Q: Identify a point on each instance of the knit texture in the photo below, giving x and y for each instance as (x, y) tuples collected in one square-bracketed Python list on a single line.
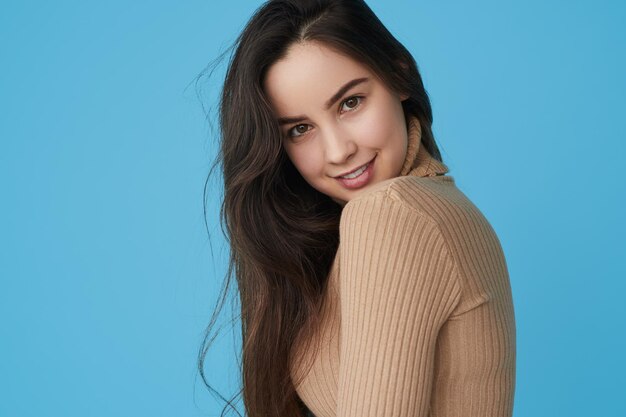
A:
[(418, 316)]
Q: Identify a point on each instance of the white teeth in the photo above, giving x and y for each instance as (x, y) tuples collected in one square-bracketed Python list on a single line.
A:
[(357, 172)]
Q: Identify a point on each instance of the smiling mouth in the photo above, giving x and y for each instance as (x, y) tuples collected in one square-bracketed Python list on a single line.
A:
[(360, 168)]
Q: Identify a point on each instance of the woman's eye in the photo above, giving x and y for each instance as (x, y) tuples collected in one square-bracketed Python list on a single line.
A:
[(352, 102), (295, 128)]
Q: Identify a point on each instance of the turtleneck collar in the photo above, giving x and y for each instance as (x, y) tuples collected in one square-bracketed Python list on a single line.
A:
[(418, 161)]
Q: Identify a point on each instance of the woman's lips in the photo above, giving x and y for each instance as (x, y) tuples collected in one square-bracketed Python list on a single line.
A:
[(361, 180)]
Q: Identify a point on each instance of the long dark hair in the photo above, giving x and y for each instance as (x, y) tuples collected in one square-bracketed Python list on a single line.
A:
[(283, 234)]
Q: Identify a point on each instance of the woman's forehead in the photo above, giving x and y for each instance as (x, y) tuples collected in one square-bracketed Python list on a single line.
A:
[(310, 74)]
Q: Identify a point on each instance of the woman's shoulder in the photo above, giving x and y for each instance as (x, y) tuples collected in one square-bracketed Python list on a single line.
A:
[(433, 214), (426, 195), (436, 199)]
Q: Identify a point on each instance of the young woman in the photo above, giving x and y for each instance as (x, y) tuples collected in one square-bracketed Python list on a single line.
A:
[(369, 284)]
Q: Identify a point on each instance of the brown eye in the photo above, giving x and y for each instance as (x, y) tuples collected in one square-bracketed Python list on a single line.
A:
[(353, 102), (297, 129)]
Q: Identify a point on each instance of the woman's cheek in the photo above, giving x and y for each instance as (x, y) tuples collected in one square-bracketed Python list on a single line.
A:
[(300, 161), (371, 131)]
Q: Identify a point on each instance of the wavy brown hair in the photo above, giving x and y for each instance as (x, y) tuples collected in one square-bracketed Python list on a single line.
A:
[(283, 234)]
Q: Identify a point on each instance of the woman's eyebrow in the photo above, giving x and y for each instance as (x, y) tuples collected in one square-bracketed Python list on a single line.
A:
[(344, 88)]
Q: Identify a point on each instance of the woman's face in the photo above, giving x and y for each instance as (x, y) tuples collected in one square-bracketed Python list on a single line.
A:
[(336, 117)]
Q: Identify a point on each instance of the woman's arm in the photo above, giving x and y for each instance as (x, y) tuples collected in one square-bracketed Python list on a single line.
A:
[(398, 285)]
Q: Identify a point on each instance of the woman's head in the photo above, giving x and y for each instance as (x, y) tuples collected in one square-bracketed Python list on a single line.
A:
[(282, 51), (280, 204), (337, 117)]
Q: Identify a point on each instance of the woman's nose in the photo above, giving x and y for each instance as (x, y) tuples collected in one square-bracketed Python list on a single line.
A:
[(338, 147)]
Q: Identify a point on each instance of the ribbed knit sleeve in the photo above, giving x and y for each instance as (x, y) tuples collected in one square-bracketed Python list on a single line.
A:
[(398, 285)]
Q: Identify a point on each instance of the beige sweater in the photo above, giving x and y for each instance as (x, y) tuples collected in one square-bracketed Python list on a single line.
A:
[(418, 316)]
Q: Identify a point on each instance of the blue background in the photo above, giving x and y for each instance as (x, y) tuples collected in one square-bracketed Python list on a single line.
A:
[(108, 276)]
